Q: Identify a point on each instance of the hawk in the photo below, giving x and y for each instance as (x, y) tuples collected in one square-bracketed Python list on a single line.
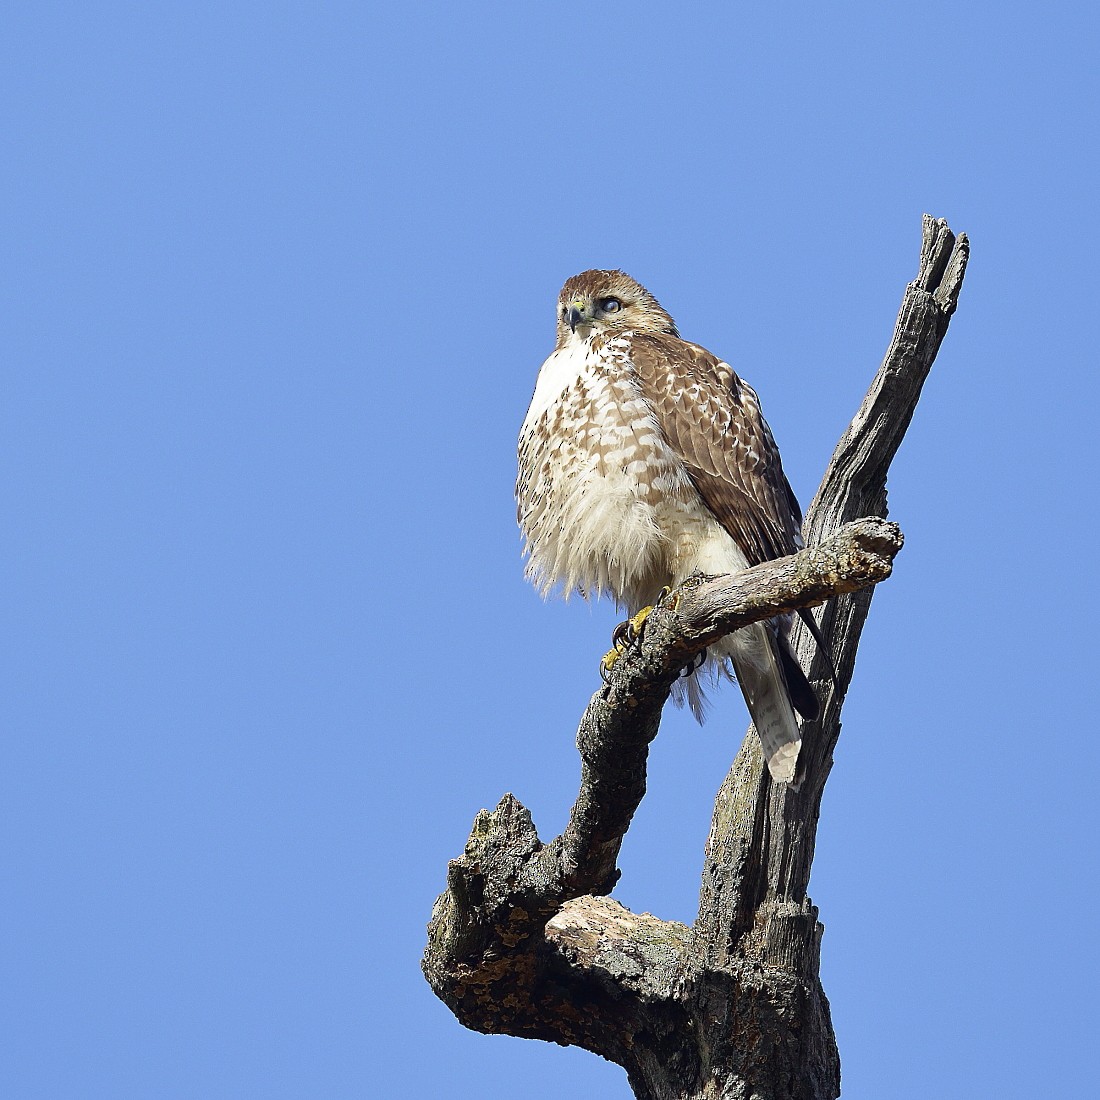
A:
[(644, 459)]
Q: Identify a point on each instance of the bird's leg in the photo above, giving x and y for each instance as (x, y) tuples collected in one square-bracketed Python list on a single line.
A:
[(626, 634)]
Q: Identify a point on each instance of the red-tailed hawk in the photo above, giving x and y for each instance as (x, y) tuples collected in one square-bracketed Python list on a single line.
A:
[(644, 459)]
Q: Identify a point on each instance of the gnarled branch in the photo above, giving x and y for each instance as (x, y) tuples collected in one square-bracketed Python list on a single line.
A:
[(524, 942)]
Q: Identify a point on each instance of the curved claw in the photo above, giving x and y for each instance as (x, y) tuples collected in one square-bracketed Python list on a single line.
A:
[(627, 633), (607, 663), (622, 637), (697, 663)]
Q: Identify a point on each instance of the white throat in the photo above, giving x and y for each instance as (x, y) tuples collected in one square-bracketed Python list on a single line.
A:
[(560, 371)]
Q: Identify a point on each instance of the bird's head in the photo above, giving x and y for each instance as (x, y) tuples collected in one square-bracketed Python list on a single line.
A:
[(604, 302)]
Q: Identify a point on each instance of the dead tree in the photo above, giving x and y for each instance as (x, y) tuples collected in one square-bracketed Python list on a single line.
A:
[(525, 940)]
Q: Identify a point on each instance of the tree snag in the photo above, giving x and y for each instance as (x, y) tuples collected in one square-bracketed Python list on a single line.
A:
[(524, 940)]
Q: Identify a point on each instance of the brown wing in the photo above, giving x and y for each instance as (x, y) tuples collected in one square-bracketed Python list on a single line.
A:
[(712, 420)]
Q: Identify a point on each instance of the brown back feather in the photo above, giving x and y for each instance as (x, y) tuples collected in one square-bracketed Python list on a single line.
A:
[(712, 420)]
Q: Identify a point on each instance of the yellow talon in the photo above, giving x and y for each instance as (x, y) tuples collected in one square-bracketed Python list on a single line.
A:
[(607, 661), (622, 636), (625, 634), (667, 598)]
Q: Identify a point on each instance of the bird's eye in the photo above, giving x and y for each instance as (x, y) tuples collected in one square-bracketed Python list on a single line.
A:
[(610, 305)]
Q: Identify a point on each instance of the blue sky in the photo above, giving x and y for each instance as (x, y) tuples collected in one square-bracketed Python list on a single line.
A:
[(277, 283)]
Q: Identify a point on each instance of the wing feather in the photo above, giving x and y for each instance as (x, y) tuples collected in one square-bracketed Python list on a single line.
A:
[(712, 420)]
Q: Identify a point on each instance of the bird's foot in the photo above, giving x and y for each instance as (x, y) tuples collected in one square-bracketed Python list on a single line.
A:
[(622, 638), (626, 634)]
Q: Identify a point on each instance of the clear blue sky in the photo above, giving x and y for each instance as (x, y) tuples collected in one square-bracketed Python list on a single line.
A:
[(277, 282)]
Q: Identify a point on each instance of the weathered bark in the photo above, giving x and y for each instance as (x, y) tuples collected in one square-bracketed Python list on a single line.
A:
[(523, 941)]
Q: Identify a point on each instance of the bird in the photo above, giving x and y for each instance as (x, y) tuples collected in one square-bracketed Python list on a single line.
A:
[(644, 459)]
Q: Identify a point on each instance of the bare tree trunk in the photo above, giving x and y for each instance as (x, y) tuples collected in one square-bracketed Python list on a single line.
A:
[(524, 941)]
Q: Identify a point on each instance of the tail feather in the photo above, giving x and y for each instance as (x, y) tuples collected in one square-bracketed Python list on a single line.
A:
[(774, 687), (760, 672), (801, 691), (807, 616)]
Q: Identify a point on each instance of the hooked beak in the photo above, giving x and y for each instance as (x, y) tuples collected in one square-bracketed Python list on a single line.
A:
[(576, 314)]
